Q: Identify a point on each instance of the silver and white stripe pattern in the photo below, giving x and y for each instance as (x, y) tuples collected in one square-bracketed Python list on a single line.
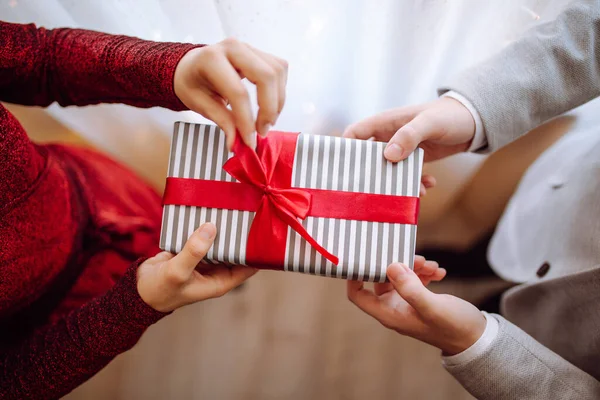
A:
[(364, 248), (199, 151), (321, 162)]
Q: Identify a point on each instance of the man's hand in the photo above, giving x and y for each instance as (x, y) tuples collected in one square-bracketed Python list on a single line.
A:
[(409, 308), (441, 128), (428, 271)]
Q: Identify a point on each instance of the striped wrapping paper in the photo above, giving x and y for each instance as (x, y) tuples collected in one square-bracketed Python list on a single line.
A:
[(321, 162)]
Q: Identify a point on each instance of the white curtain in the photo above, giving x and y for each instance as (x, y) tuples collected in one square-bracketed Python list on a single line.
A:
[(348, 58)]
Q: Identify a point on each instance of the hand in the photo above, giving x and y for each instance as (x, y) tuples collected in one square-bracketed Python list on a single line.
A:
[(427, 271), (166, 282), (442, 128), (406, 306), (209, 78)]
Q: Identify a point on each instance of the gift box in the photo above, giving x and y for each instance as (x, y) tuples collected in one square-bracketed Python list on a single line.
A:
[(305, 203)]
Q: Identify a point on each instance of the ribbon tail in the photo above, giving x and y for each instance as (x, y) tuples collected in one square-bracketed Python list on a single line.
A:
[(297, 226), (322, 250)]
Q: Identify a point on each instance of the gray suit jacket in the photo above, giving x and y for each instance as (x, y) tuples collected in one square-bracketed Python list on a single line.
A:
[(548, 347)]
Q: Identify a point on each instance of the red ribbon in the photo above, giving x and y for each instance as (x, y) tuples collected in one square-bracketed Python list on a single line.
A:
[(265, 187)]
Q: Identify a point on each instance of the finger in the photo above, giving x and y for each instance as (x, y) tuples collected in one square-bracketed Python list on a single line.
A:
[(418, 263), (430, 267), (213, 107), (183, 264), (410, 288), (281, 66), (162, 256), (438, 275), (366, 300), (226, 81), (381, 288), (409, 136), (219, 281), (425, 280), (424, 267), (382, 126), (428, 180), (264, 76)]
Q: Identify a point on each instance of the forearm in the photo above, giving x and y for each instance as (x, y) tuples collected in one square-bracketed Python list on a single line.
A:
[(81, 67), (56, 359), (514, 365), (555, 67)]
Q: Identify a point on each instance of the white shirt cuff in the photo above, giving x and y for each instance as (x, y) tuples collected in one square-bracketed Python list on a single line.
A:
[(479, 139), (479, 347)]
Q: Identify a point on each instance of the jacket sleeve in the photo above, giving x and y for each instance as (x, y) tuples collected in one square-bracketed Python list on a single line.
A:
[(552, 69), (57, 358), (516, 366), (80, 67)]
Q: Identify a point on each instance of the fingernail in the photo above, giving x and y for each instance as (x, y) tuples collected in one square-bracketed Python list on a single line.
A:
[(252, 141), (207, 231), (393, 152), (266, 129), (395, 271)]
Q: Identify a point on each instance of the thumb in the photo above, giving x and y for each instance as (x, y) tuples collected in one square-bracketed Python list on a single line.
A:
[(184, 263), (410, 288), (407, 138)]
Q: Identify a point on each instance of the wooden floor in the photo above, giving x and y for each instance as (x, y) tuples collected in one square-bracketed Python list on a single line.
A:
[(282, 336)]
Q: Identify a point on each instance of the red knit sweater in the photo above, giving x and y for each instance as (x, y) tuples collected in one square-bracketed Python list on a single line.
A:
[(72, 222)]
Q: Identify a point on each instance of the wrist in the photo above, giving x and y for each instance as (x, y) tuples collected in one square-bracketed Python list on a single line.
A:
[(467, 337), (462, 118), (155, 293), (478, 140), (181, 73), (139, 312)]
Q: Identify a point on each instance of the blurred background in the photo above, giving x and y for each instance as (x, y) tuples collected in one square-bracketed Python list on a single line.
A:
[(288, 335)]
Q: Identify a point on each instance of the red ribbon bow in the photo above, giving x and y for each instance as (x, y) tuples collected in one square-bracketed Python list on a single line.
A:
[(285, 203)]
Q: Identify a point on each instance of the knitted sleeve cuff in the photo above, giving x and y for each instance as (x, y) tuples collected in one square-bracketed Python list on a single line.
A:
[(127, 303)]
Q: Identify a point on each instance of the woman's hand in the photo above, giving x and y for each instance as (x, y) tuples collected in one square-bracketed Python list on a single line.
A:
[(408, 307), (209, 78), (167, 282), (442, 128)]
